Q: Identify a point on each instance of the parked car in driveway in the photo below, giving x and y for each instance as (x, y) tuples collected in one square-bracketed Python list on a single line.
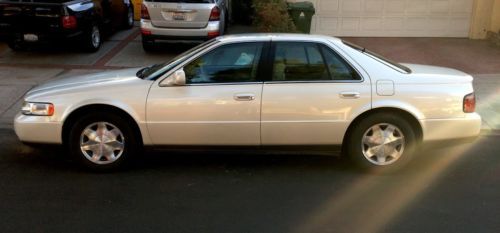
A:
[(26, 22), (256, 90), (182, 20)]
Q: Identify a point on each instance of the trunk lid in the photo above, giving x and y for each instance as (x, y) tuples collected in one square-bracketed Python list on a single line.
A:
[(436, 74), (180, 13)]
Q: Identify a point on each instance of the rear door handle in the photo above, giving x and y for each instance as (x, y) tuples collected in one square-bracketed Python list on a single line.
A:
[(349, 95), (244, 97)]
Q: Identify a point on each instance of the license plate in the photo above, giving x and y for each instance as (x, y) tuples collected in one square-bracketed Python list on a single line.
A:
[(30, 37), (179, 16)]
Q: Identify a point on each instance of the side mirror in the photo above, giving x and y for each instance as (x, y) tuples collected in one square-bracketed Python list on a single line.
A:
[(178, 78)]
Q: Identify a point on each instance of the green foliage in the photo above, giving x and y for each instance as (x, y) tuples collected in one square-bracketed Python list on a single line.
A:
[(272, 16)]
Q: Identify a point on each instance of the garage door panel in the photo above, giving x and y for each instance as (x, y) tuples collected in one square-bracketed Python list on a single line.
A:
[(415, 18), (439, 6)]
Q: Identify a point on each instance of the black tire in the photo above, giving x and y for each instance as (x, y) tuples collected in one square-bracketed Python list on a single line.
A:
[(128, 21), (92, 121), (148, 44), (359, 152), (92, 38), (16, 45)]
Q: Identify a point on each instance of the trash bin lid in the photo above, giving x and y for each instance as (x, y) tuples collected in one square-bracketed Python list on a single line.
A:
[(301, 6)]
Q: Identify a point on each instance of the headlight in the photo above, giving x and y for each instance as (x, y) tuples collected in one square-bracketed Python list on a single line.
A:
[(38, 109)]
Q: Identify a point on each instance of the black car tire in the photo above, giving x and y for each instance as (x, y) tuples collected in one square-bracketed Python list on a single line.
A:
[(358, 150), (128, 21), (16, 45), (92, 38), (148, 44), (114, 123)]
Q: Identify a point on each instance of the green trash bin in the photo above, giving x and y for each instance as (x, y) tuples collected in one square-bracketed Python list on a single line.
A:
[(301, 13)]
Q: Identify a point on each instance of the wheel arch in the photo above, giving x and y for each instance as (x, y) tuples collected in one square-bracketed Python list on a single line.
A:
[(73, 117), (407, 115)]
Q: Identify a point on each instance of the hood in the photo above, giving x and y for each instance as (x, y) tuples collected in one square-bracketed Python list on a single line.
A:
[(436, 74), (96, 79)]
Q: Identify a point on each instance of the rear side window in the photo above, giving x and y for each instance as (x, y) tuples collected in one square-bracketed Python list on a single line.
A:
[(338, 68), (183, 1), (306, 61)]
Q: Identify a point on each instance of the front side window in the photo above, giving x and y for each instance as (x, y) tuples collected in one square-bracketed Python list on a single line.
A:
[(306, 61), (226, 64)]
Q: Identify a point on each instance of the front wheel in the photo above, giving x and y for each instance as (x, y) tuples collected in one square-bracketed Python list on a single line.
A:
[(381, 142), (102, 141)]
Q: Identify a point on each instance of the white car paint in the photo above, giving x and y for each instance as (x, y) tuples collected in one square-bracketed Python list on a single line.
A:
[(288, 113)]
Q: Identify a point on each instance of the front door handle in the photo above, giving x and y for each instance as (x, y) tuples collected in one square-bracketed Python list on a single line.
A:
[(349, 95), (244, 97)]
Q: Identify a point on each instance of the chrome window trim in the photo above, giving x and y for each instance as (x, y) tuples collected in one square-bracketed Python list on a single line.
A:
[(314, 81), (221, 84), (201, 53)]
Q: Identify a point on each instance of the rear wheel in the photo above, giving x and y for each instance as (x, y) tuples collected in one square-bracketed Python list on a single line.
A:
[(128, 21), (102, 141), (381, 142), (92, 38), (148, 44), (16, 45)]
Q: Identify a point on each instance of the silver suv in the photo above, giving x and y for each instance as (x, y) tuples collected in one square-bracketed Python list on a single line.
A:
[(182, 20)]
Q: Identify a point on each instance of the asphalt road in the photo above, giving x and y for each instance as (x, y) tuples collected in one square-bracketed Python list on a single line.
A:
[(448, 190)]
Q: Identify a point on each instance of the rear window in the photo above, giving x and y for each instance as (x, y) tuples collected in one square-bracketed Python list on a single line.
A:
[(183, 1), (378, 57)]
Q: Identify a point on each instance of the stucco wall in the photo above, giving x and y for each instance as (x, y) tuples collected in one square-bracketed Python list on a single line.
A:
[(485, 17)]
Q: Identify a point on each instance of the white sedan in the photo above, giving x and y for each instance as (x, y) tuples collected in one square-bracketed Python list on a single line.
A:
[(257, 90)]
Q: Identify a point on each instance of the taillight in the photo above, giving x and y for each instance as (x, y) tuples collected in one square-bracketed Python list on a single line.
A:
[(144, 12), (213, 34), (215, 14), (470, 103), (69, 22)]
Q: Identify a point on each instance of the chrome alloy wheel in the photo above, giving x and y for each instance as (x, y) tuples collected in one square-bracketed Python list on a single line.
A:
[(102, 143), (96, 37), (383, 144)]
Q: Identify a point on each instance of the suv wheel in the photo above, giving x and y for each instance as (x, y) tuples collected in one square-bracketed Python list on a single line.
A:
[(148, 44)]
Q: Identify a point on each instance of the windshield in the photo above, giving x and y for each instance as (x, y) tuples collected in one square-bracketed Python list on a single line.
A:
[(155, 71), (378, 57)]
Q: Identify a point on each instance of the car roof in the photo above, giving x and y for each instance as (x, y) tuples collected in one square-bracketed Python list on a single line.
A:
[(275, 37)]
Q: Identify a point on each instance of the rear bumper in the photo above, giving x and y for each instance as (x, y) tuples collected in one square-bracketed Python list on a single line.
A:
[(179, 34), (43, 37), (450, 129)]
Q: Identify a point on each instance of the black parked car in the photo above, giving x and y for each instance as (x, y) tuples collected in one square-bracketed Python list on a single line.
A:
[(25, 22)]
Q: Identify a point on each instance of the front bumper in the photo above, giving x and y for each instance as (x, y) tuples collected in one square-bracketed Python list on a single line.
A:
[(180, 34), (37, 129), (455, 128)]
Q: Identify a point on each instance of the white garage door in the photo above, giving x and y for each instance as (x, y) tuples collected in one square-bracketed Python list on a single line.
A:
[(406, 18)]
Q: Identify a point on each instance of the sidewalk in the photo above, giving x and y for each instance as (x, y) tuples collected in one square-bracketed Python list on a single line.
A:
[(16, 81)]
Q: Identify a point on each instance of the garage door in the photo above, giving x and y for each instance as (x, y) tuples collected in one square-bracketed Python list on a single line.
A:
[(406, 18)]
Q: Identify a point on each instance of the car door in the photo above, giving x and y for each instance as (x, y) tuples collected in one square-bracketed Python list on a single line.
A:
[(312, 97), (219, 105)]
